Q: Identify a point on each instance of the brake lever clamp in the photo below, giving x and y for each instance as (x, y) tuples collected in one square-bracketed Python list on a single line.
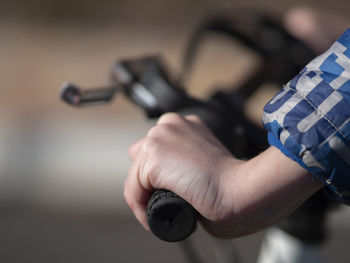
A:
[(146, 83)]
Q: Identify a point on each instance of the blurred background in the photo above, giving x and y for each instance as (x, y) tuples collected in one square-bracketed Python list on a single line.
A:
[(61, 169)]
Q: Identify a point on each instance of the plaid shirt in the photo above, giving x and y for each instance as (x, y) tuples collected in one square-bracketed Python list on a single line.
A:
[(309, 119)]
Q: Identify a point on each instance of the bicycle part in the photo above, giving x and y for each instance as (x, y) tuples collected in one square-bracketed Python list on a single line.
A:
[(189, 250), (170, 217), (76, 96), (278, 246), (308, 221), (145, 82), (283, 56), (224, 252)]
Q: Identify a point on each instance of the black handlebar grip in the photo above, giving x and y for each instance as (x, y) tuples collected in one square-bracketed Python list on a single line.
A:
[(170, 217)]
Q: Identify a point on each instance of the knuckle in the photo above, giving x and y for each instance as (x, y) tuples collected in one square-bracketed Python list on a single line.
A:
[(152, 149), (166, 129), (194, 117), (170, 117), (161, 131), (151, 144), (152, 132)]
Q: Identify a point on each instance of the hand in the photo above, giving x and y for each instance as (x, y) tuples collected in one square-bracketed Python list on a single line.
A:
[(233, 197), (182, 155)]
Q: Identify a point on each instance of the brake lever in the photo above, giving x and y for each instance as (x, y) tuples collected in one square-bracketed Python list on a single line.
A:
[(76, 96)]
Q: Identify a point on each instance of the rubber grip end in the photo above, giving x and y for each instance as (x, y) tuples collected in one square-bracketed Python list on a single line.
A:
[(170, 217)]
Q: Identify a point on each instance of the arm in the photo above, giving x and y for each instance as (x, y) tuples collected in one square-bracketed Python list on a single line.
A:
[(309, 119), (234, 197), (309, 123)]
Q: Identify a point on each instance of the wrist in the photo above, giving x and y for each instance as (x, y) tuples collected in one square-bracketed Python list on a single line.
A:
[(260, 192)]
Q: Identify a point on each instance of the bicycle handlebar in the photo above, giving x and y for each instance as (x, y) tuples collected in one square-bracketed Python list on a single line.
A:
[(144, 82)]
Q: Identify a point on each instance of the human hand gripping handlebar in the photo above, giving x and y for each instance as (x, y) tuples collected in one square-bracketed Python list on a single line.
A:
[(145, 83)]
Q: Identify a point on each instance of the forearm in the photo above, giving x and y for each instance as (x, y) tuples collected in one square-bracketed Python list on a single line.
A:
[(234, 197), (273, 170), (260, 192), (309, 119)]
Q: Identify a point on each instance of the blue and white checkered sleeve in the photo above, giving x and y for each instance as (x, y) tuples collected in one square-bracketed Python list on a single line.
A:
[(309, 119)]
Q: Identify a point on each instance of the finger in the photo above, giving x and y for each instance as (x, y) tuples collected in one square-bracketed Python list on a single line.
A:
[(135, 149), (137, 196)]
